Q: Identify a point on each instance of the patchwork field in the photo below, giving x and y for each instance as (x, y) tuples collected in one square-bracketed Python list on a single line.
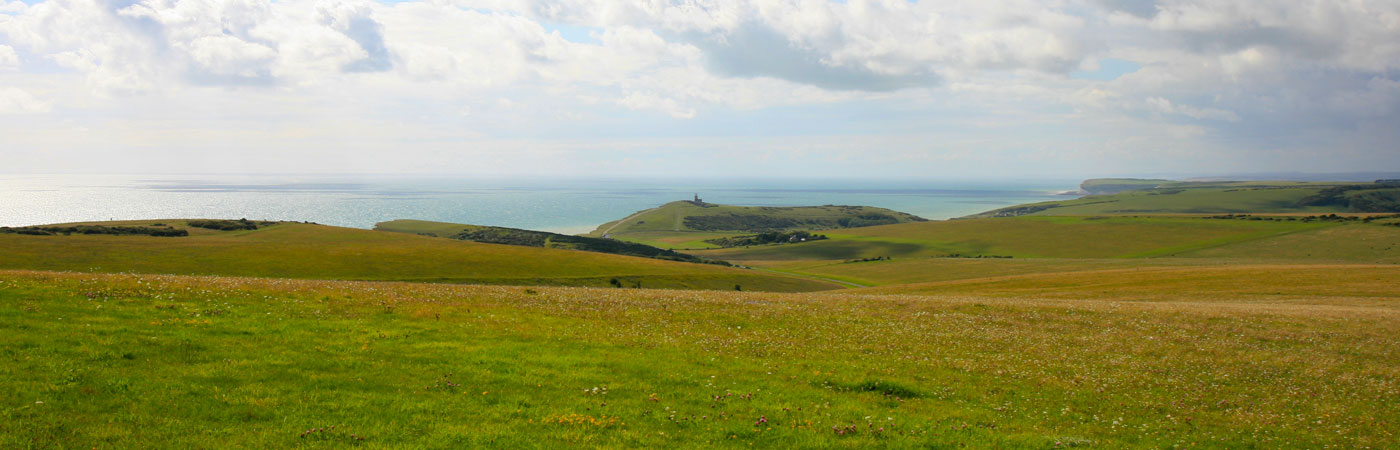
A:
[(97, 360)]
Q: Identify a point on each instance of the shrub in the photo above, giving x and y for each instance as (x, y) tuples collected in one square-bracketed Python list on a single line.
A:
[(228, 225), (95, 229)]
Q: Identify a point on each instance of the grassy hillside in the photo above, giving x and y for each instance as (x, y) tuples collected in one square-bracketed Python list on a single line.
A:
[(1027, 237), (179, 362), (686, 224), (1233, 197), (981, 248), (294, 250), (531, 238), (1353, 243), (1174, 201)]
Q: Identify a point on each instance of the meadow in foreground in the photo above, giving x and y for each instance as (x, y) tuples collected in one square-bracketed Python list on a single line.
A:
[(137, 361)]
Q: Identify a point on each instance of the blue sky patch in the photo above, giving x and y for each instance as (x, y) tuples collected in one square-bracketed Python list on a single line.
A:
[(1109, 69), (574, 33)]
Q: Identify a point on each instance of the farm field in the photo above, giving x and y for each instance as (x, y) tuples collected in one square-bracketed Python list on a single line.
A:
[(296, 250), (126, 360)]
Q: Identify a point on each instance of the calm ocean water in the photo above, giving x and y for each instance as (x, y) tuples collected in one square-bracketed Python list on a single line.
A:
[(559, 205)]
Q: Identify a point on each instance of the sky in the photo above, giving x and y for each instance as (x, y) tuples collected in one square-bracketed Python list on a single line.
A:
[(810, 88)]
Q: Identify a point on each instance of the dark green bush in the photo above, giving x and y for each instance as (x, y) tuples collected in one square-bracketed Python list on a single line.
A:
[(228, 225), (95, 229)]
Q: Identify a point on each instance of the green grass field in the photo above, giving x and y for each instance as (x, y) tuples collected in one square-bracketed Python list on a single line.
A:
[(294, 250), (96, 360)]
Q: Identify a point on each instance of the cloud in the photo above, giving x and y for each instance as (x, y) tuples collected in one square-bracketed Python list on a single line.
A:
[(17, 101), (757, 51), (1357, 35), (858, 45), (9, 59), (1003, 74), (354, 21), (226, 60), (638, 100), (1164, 106)]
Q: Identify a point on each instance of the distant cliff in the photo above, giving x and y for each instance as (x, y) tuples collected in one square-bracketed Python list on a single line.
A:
[(1105, 186)]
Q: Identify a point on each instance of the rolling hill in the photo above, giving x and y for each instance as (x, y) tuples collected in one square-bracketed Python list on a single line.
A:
[(688, 224), (531, 238), (978, 248), (298, 250), (1230, 197), (1026, 237)]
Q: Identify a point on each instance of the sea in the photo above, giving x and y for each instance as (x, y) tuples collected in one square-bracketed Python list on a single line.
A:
[(561, 205)]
